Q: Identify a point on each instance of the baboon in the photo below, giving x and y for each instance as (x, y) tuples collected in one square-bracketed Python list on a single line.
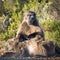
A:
[(30, 49), (45, 48), (29, 31), (28, 20)]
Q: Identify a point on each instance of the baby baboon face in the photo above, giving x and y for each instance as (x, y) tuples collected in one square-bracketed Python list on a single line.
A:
[(29, 17)]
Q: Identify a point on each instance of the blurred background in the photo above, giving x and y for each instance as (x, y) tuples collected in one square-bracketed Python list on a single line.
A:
[(48, 15)]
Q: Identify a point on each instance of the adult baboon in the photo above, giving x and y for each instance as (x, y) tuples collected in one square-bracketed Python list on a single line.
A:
[(28, 20), (45, 48)]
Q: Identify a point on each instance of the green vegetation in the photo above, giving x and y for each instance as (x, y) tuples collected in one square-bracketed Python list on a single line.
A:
[(52, 30), (15, 10)]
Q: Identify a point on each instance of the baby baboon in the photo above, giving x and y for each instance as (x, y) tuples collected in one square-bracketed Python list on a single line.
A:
[(28, 20)]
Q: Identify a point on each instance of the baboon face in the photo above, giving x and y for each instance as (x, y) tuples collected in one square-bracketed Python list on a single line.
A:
[(29, 17)]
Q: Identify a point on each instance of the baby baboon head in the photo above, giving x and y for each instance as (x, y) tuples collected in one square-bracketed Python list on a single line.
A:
[(30, 18)]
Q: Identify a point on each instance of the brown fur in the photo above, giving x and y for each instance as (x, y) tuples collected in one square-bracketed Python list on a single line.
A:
[(29, 33), (30, 25), (44, 48)]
